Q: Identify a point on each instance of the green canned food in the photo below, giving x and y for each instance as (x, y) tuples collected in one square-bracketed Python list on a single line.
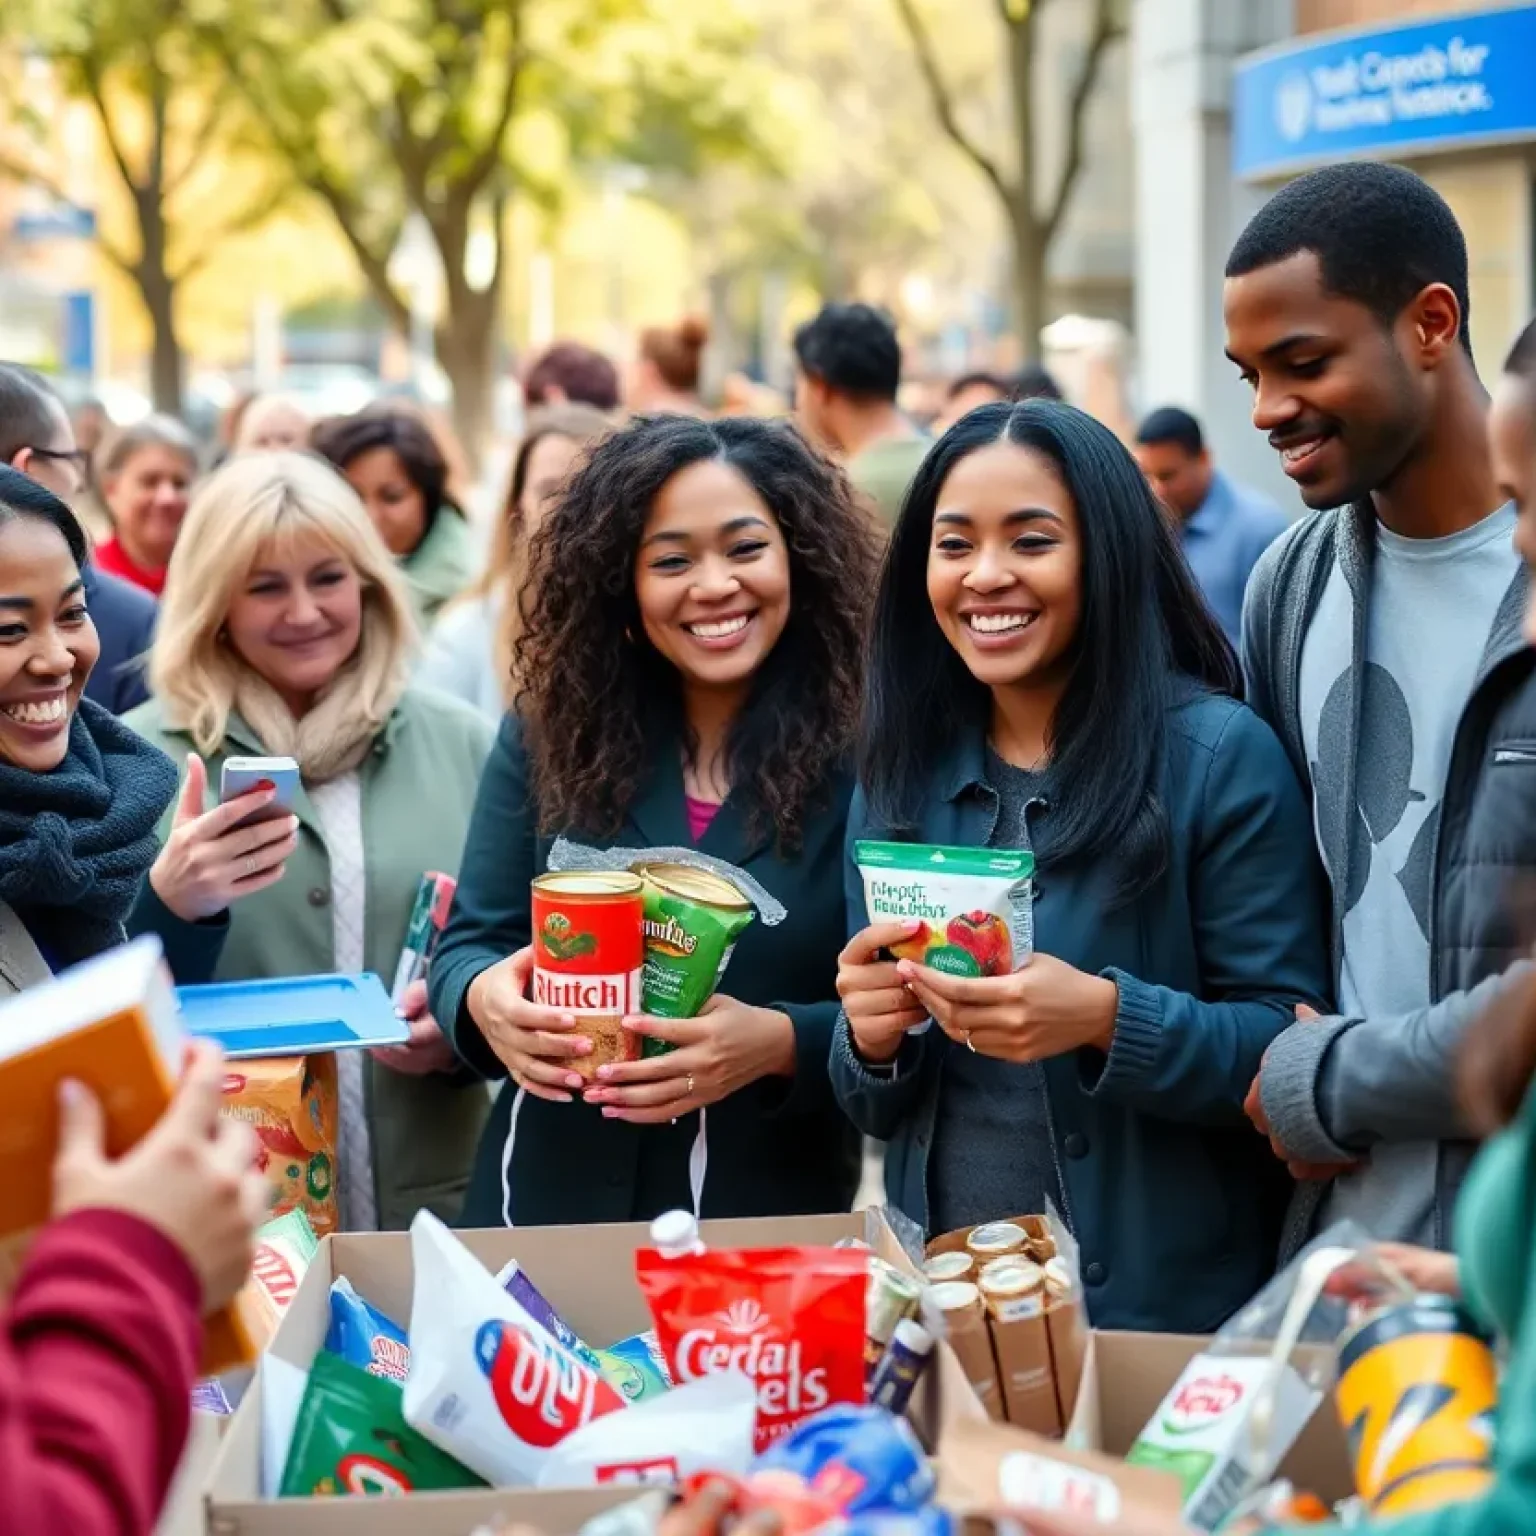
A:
[(692, 918)]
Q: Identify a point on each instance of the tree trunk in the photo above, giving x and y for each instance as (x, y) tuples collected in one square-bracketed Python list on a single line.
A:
[(1029, 301), (165, 363), (466, 348)]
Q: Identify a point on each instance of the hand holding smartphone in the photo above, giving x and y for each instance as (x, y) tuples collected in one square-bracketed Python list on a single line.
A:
[(246, 775)]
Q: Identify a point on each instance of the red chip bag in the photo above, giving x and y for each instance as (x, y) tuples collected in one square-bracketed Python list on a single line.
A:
[(791, 1318)]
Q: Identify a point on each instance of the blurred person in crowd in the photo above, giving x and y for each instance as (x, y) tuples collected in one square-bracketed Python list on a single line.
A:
[(664, 377), (845, 395), (36, 437), (92, 426), (1382, 640), (967, 392), (271, 421), (1175, 925), (690, 666), (1034, 382), (570, 374), (1223, 526), (147, 474), (80, 793), (286, 631), (470, 650), (101, 1338), (395, 465)]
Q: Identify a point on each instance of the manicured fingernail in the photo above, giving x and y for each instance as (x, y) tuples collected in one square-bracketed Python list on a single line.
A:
[(582, 1047), (912, 924), (572, 1080), (906, 968), (293, 823), (568, 1020), (605, 1073), (610, 1113)]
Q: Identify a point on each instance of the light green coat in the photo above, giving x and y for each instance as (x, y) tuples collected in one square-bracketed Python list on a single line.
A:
[(442, 565), (418, 787)]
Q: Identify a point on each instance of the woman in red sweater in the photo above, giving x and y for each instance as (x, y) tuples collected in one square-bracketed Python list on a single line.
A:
[(99, 1345)]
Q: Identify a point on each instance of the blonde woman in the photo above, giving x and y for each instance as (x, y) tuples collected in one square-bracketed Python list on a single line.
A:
[(469, 653), (286, 629)]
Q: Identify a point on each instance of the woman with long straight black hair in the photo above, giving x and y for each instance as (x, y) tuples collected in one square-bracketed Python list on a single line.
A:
[(1044, 674)]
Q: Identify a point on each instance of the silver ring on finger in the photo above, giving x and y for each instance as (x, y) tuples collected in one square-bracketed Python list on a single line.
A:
[(970, 1044), (690, 1085), (249, 867)]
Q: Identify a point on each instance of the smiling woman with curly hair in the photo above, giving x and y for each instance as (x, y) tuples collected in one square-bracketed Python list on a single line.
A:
[(691, 666)]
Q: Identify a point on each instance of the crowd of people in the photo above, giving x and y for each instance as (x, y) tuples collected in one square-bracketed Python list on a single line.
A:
[(1273, 768)]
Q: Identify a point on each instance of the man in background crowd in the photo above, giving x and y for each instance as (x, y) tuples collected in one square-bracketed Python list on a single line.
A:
[(845, 395), (1223, 526), (571, 374), (36, 438)]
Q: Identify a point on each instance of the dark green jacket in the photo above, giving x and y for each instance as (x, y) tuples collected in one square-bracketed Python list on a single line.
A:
[(779, 1146), (442, 565), (418, 785)]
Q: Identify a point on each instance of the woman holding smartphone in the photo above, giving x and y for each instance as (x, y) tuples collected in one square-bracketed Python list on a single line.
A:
[(286, 632), (690, 665), (1045, 675)]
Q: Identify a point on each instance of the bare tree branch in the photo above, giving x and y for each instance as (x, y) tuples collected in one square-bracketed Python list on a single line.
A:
[(1107, 30), (490, 154), (90, 73), (943, 102), (202, 141)]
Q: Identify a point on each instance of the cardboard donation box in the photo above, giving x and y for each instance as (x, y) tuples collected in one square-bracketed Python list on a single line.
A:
[(588, 1276), (1022, 1353), (1126, 1376)]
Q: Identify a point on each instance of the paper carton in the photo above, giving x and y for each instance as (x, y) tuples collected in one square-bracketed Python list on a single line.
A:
[(1126, 1377), (1036, 1361), (588, 1275)]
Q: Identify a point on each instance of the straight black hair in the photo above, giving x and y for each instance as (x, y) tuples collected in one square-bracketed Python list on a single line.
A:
[(1144, 633), (22, 497)]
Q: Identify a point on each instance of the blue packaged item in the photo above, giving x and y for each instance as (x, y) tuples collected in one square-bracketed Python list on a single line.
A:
[(293, 1015), (862, 1458), (364, 1337), (635, 1366)]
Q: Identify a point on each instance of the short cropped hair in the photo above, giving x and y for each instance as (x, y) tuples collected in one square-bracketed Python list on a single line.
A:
[(30, 412), (1521, 361), (853, 349), (1172, 424), (582, 374), (1380, 234)]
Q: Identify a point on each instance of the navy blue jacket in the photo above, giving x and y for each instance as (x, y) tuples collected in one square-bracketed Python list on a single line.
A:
[(1175, 1201), (124, 617)]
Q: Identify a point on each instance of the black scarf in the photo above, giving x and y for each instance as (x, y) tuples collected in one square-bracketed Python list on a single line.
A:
[(76, 843)]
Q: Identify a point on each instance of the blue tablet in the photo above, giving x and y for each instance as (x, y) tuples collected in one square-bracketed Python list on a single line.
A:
[(293, 1015)]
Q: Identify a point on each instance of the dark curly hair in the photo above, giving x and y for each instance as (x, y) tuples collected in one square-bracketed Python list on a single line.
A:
[(597, 700)]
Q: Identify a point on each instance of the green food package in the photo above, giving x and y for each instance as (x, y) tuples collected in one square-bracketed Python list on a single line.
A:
[(691, 921), (351, 1438)]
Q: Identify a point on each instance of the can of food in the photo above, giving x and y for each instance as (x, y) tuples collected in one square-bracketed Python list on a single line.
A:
[(949, 1266), (905, 1359), (1058, 1277), (995, 1239), (588, 951), (1417, 1392), (692, 918), (1013, 1289), (891, 1297)]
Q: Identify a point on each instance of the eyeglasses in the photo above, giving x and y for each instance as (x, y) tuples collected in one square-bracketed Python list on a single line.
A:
[(76, 456)]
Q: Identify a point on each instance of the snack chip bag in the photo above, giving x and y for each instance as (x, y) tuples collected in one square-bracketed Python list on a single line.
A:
[(488, 1384), (291, 1103), (791, 1318), (364, 1337), (351, 1438), (862, 1458), (975, 904), (285, 1248)]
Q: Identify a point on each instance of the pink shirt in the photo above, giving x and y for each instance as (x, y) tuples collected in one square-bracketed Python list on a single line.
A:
[(700, 814)]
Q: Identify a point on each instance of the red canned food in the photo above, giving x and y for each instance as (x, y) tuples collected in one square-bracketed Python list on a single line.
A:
[(588, 953)]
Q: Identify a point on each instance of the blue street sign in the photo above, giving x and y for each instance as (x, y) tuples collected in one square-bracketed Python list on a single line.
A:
[(63, 221), (78, 354), (1445, 84)]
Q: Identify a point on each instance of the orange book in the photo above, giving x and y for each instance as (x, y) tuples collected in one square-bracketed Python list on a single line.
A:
[(112, 1024)]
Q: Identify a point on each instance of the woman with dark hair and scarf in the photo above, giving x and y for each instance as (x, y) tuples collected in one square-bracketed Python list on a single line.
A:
[(1044, 674), (80, 793)]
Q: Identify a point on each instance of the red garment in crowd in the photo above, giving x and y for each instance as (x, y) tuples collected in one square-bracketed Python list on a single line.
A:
[(700, 814), (99, 1348), (109, 555)]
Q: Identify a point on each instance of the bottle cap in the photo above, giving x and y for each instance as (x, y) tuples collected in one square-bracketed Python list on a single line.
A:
[(676, 1234)]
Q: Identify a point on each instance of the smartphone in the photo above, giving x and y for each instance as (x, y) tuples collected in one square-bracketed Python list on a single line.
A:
[(242, 775)]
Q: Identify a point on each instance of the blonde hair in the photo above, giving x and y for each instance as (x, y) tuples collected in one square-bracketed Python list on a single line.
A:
[(506, 566), (253, 502)]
